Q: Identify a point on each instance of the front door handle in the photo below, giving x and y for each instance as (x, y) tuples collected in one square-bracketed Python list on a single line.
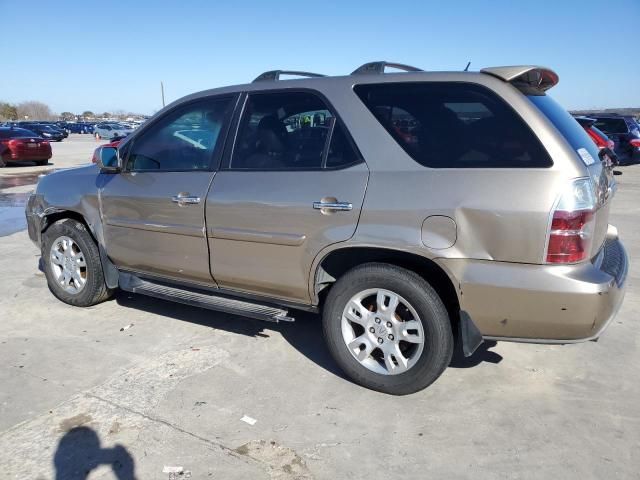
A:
[(326, 207), (183, 199)]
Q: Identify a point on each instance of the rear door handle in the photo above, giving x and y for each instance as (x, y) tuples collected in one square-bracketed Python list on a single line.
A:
[(333, 206), (183, 199)]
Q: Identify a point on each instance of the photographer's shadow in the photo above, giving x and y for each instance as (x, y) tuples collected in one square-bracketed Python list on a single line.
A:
[(79, 453)]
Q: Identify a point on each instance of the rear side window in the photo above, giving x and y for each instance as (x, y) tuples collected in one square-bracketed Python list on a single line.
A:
[(454, 125), (290, 131), (568, 126), (612, 125)]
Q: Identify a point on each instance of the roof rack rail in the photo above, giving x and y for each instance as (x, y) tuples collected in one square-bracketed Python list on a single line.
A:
[(378, 68), (275, 75)]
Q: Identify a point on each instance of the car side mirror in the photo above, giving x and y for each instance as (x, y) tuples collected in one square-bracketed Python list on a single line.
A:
[(108, 160)]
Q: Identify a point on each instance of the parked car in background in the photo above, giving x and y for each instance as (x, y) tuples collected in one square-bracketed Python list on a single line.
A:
[(79, 127), (490, 223), (19, 145), (601, 140), (56, 126), (625, 133), (110, 130), (45, 131)]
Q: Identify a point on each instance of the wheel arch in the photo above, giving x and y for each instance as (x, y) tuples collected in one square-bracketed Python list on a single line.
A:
[(108, 268), (337, 262)]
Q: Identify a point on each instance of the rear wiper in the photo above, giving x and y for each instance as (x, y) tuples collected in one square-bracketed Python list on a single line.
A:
[(607, 155)]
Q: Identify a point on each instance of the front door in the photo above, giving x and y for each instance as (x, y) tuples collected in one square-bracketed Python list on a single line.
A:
[(153, 211), (293, 185)]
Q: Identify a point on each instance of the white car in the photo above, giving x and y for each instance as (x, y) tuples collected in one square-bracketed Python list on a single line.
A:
[(111, 130)]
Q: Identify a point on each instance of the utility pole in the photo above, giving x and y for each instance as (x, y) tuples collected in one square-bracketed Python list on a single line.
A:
[(162, 91)]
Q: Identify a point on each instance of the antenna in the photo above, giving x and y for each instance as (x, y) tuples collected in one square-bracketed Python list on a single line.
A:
[(466, 69)]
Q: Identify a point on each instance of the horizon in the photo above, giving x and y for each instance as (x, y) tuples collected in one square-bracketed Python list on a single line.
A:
[(118, 64)]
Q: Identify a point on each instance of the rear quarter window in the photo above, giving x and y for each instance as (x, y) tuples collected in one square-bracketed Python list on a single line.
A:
[(568, 126), (454, 125)]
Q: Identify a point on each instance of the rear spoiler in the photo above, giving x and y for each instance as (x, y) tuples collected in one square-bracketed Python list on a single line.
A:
[(525, 77)]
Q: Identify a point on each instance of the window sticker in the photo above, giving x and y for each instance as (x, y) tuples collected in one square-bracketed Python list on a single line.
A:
[(586, 156)]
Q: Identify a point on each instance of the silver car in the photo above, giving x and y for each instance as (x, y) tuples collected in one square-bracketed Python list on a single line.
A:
[(108, 131), (415, 211)]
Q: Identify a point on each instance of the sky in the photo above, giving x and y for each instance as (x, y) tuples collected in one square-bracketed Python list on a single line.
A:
[(109, 55)]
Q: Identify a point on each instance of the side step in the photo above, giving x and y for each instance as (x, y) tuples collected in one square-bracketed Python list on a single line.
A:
[(203, 299)]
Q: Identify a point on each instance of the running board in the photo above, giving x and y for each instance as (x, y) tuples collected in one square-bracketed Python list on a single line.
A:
[(203, 299)]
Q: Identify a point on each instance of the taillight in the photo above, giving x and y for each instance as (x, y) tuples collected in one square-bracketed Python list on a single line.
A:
[(635, 142), (571, 231), (11, 142), (597, 139)]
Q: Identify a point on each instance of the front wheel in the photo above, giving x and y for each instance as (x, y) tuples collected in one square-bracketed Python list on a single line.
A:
[(387, 328), (72, 264)]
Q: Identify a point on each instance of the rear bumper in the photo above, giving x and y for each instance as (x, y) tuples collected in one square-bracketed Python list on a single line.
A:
[(544, 303)]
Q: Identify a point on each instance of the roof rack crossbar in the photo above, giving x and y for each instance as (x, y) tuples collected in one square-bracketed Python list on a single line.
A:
[(379, 67), (275, 75)]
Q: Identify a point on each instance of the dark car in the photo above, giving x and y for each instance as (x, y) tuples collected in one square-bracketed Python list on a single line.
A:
[(18, 144), (45, 131), (625, 133), (62, 126), (599, 137), (79, 127)]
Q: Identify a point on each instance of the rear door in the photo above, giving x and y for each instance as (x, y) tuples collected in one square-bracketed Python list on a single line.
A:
[(293, 184), (153, 211)]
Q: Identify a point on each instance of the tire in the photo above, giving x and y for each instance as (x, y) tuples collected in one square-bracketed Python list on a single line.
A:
[(427, 363), (41, 163), (94, 289), (2, 162)]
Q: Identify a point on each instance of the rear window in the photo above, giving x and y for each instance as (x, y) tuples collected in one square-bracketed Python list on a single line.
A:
[(454, 125), (570, 129), (612, 125)]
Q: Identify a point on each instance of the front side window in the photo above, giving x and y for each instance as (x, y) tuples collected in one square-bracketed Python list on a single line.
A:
[(184, 139), (453, 125), (289, 131)]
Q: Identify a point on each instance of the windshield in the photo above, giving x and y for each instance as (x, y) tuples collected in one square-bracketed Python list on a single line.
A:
[(566, 124)]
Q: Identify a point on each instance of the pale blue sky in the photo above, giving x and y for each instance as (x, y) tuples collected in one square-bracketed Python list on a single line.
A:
[(109, 55)]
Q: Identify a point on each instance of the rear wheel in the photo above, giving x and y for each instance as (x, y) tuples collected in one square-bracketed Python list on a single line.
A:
[(72, 264), (42, 162), (387, 329)]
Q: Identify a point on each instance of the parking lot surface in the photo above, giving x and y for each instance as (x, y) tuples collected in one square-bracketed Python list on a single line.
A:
[(150, 388)]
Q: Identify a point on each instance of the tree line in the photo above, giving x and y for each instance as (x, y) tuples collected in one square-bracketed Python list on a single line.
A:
[(34, 110)]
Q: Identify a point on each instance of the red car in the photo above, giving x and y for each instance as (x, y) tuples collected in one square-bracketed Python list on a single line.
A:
[(598, 136), (18, 145)]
